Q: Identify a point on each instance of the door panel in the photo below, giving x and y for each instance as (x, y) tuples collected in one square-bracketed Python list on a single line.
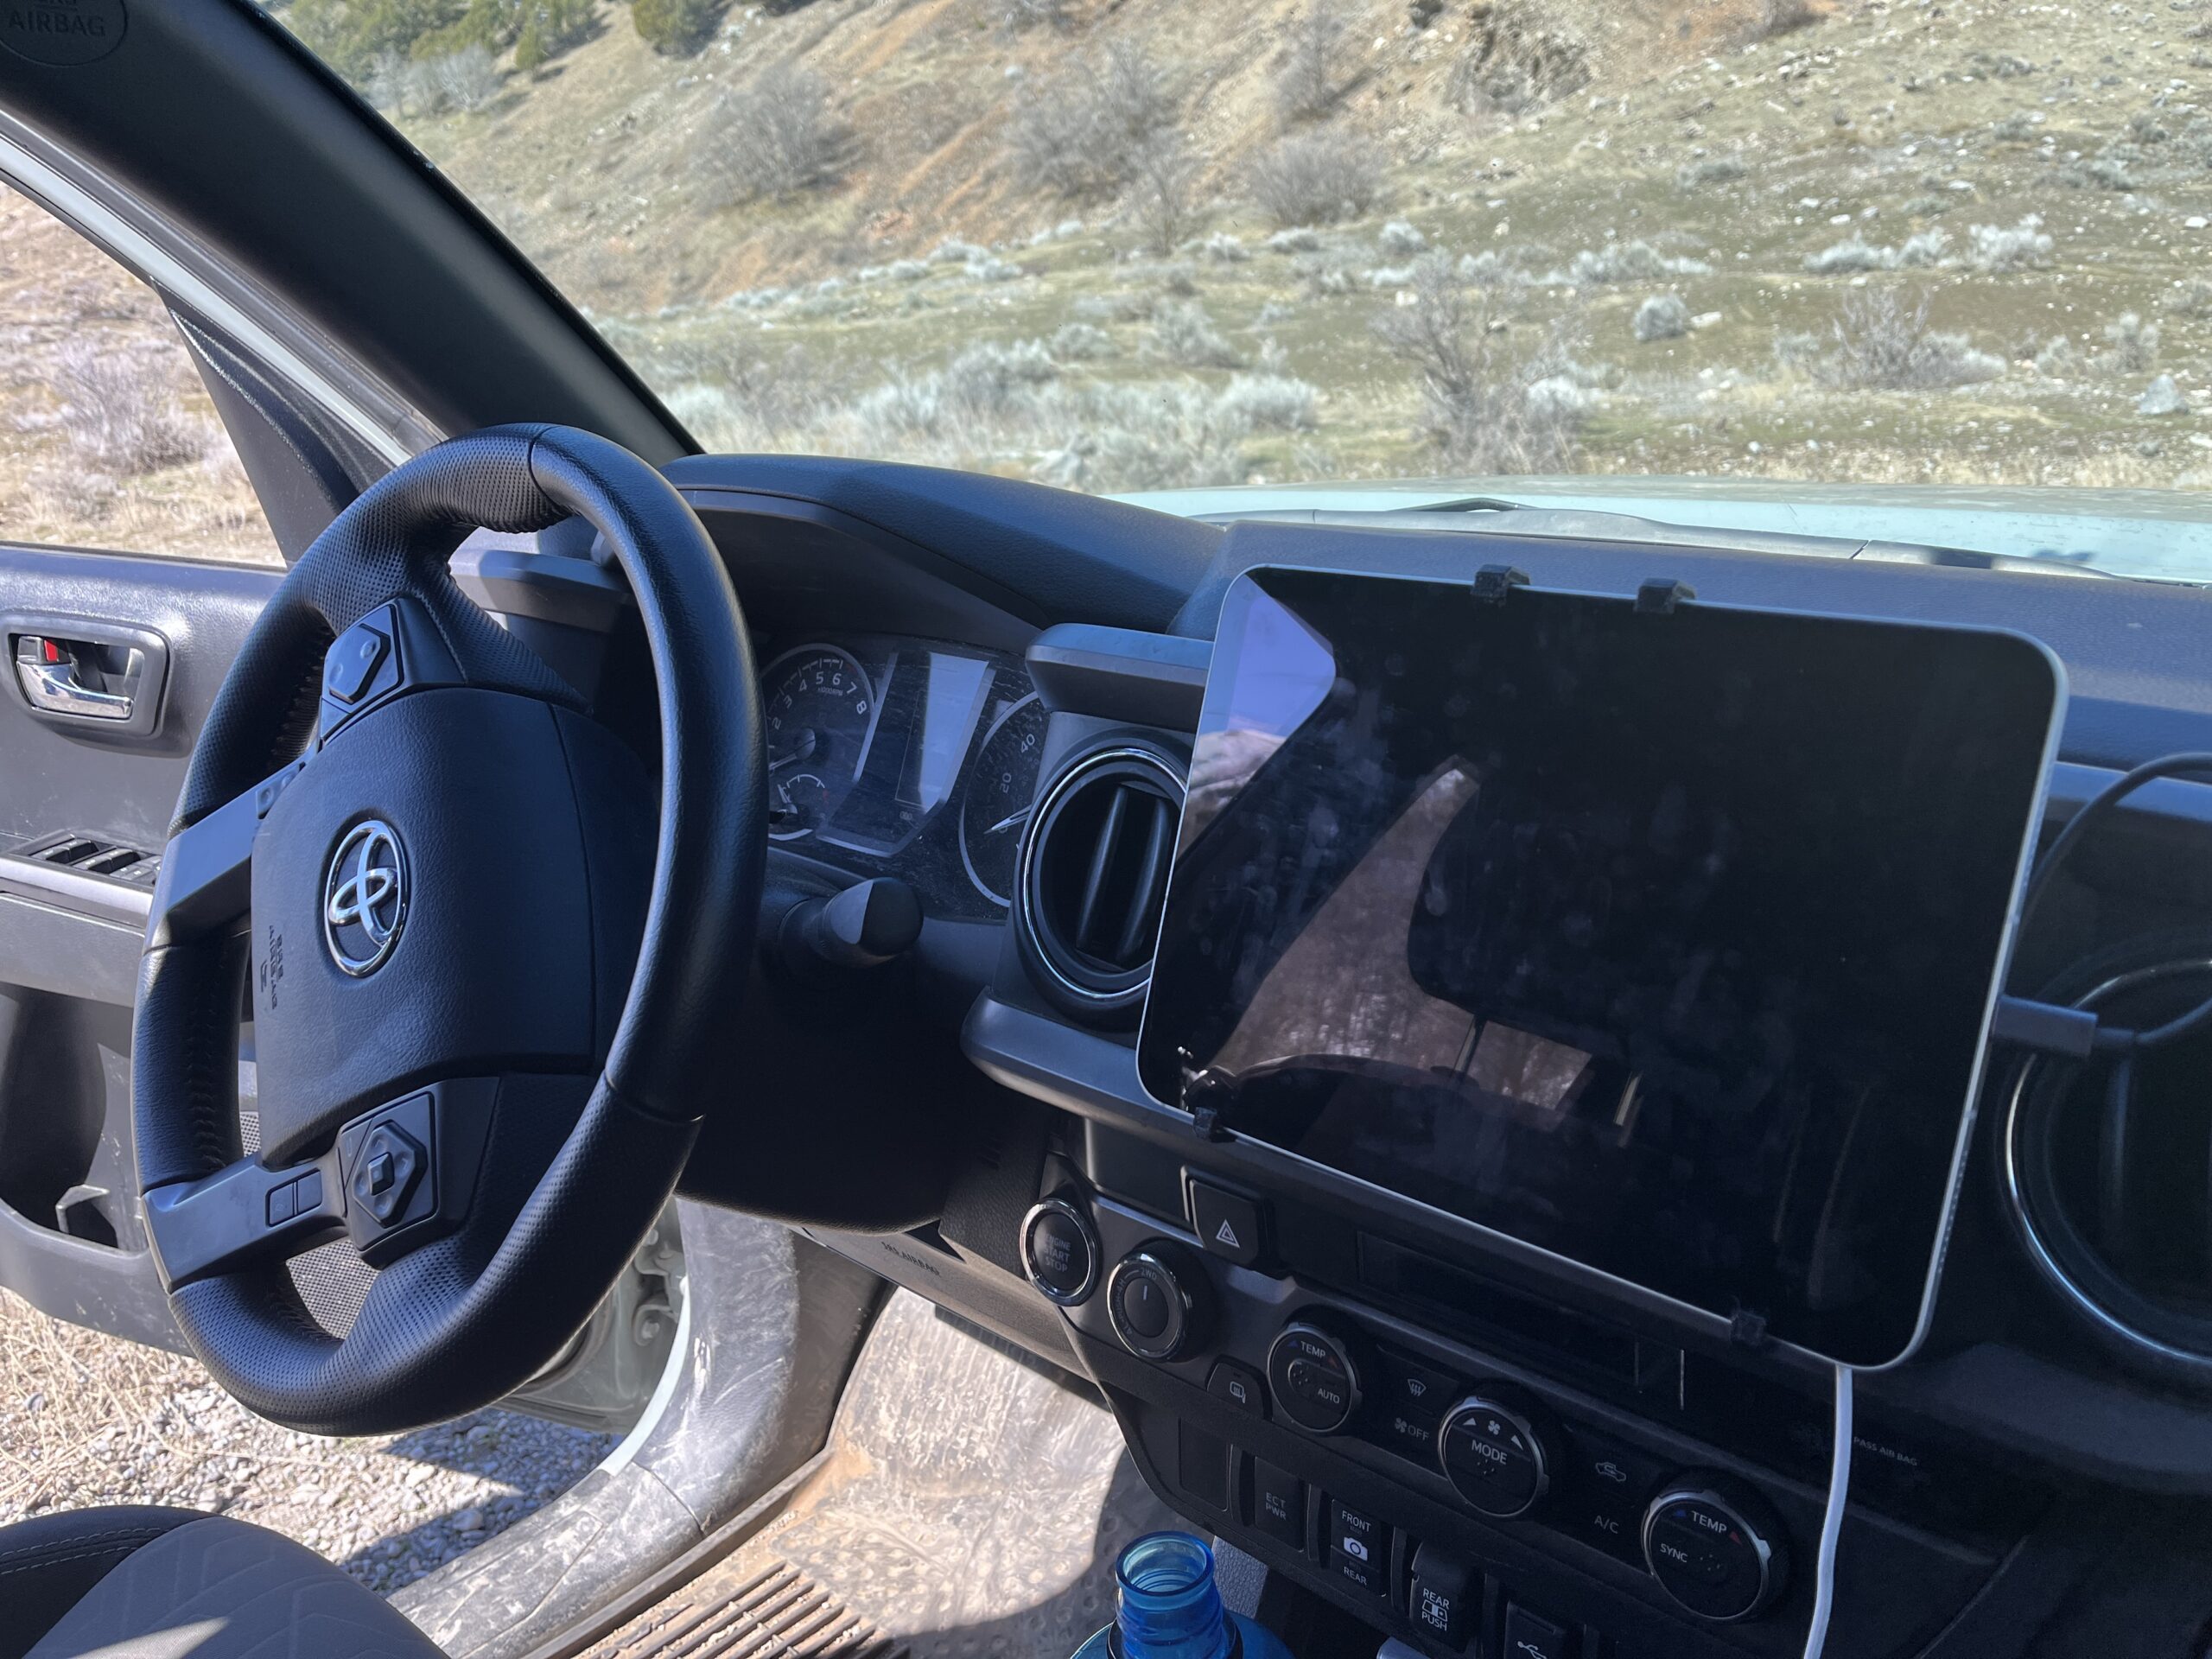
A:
[(70, 1240)]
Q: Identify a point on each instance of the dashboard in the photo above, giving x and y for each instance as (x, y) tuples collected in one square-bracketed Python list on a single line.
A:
[(906, 758), (992, 692)]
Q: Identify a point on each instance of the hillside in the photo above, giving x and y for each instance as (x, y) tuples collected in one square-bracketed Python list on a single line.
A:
[(1861, 240), (107, 438)]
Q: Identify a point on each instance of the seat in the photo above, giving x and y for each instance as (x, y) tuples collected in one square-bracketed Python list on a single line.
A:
[(134, 1582)]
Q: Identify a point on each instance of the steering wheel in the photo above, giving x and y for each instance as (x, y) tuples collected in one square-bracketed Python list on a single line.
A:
[(488, 983)]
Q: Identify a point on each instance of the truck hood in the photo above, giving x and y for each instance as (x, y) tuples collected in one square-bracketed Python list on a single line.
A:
[(2164, 534)]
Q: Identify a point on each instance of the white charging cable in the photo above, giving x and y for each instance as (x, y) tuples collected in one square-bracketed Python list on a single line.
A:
[(1816, 1636)]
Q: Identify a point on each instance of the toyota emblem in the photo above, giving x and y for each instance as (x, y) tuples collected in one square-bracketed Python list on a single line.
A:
[(365, 897)]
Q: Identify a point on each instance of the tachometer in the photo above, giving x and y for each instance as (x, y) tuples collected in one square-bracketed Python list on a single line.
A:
[(1001, 789), (820, 708)]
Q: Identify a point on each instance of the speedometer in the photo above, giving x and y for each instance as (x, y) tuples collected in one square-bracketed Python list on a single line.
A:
[(819, 706), (1001, 789)]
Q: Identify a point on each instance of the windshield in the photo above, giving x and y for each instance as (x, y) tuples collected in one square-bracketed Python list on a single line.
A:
[(1167, 244)]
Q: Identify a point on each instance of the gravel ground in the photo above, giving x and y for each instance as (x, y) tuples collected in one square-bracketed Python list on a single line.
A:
[(85, 1419)]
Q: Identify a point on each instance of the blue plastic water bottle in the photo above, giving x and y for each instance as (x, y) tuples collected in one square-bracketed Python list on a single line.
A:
[(1170, 1608)]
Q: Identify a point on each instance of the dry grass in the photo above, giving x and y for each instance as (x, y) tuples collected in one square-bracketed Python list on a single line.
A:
[(86, 1419), (106, 436), (63, 1391)]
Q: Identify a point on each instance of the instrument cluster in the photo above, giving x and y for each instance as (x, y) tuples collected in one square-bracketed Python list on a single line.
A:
[(905, 757)]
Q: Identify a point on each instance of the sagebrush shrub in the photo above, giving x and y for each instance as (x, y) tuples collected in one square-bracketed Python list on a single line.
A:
[(1713, 169), (1318, 178), (1664, 317), (1081, 342), (777, 137), (1995, 248), (1311, 78), (2131, 345), (1271, 403), (1482, 410), (1631, 262), (1081, 133), (1184, 335), (121, 412), (1882, 342)]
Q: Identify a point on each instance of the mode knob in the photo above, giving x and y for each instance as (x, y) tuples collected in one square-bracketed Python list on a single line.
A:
[(1314, 1374), (1494, 1456), (1716, 1553), (1152, 1297)]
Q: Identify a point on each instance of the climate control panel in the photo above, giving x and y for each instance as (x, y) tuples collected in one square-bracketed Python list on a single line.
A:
[(1498, 1448)]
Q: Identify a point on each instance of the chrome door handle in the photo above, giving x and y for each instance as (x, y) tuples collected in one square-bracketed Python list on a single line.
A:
[(46, 671)]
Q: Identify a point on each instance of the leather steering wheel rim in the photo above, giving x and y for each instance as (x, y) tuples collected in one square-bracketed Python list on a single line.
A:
[(578, 1138)]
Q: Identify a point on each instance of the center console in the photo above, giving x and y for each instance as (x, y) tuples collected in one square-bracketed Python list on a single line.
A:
[(1467, 1464), (1488, 1280)]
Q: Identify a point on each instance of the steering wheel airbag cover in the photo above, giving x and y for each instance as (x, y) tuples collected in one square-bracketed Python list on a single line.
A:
[(474, 789)]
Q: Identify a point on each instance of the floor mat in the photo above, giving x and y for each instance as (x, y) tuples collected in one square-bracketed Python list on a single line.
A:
[(779, 1611), (971, 1506)]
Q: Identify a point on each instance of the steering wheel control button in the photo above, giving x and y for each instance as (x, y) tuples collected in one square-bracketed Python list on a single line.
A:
[(1709, 1555), (1359, 1549), (352, 662), (1059, 1251), (1238, 1386), (1494, 1458), (1446, 1593), (1279, 1504), (1531, 1636), (385, 1171), (1314, 1377), (363, 667), (1228, 1224), (302, 1197), (1152, 1299)]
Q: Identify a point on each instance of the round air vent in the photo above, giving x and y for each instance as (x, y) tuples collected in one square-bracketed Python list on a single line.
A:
[(2108, 1170), (1094, 876)]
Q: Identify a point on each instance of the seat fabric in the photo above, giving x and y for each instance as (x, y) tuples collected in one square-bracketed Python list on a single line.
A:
[(144, 1583)]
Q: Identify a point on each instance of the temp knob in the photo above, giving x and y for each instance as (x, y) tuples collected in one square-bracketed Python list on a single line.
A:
[(1315, 1375), (1152, 1297), (1717, 1555), (1494, 1456)]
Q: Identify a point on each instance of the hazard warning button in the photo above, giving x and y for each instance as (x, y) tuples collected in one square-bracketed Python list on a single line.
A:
[(1227, 1223)]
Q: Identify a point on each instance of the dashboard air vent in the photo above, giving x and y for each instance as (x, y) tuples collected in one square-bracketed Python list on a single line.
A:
[(2109, 1169), (1093, 878)]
